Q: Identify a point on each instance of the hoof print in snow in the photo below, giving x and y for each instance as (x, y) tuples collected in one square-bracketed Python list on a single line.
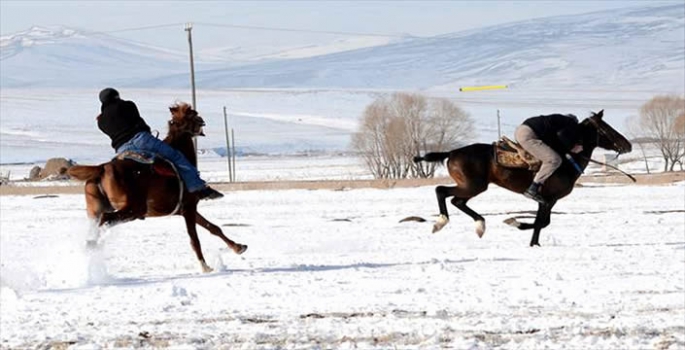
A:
[(235, 225), (46, 196), (342, 220)]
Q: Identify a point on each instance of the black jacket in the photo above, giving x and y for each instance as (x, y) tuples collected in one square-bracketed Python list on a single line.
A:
[(120, 120), (561, 132)]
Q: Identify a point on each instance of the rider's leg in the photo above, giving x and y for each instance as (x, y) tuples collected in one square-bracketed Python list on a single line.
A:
[(146, 142), (527, 138)]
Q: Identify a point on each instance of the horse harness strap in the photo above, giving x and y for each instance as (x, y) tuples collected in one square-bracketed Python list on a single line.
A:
[(179, 204)]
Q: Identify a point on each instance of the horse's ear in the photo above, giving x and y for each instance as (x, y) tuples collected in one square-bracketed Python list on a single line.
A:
[(173, 109), (600, 114)]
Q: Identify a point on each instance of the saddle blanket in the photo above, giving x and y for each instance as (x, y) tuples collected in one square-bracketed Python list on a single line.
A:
[(160, 165), (510, 154)]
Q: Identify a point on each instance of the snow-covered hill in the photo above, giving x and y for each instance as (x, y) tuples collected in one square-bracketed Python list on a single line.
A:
[(65, 57), (636, 48)]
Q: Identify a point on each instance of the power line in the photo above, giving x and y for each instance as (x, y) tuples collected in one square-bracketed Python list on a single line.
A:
[(281, 29), (139, 28)]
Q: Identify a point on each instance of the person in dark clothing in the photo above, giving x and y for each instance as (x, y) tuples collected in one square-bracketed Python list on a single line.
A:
[(120, 120), (546, 137)]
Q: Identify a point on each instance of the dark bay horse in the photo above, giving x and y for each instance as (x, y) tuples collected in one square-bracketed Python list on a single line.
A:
[(473, 168), (123, 190)]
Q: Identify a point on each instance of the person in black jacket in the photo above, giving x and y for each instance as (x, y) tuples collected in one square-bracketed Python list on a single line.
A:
[(120, 120), (546, 137)]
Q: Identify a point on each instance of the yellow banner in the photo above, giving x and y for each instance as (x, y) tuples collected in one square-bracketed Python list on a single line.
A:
[(486, 87)]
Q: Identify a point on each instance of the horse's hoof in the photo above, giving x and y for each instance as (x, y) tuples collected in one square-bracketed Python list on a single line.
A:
[(512, 222), (480, 228), (206, 268), (241, 249), (535, 244), (440, 223)]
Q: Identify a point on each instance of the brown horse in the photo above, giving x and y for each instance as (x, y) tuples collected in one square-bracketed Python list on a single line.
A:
[(473, 168), (124, 189)]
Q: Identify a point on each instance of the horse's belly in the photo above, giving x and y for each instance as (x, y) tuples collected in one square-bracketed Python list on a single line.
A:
[(163, 198)]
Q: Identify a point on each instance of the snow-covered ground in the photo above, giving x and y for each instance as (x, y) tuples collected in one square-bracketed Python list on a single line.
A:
[(336, 269), (252, 168)]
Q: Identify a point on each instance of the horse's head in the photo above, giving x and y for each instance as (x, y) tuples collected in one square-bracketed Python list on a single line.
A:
[(185, 120), (605, 136)]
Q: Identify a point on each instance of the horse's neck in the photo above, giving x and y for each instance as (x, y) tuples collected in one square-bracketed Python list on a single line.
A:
[(184, 144), (583, 158)]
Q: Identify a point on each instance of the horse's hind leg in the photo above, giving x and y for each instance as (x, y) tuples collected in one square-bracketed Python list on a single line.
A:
[(94, 200), (480, 221), (96, 205), (442, 193), (461, 194), (216, 230), (125, 214)]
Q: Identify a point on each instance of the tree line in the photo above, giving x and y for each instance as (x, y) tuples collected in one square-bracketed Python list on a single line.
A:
[(394, 129)]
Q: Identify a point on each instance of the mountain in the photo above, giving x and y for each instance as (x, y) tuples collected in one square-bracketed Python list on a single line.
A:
[(64, 57), (245, 55), (635, 47)]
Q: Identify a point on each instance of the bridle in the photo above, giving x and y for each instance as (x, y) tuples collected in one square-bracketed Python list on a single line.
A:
[(196, 126), (601, 129)]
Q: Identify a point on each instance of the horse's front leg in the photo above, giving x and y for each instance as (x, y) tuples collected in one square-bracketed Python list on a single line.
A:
[(190, 216), (524, 225), (216, 230), (542, 219)]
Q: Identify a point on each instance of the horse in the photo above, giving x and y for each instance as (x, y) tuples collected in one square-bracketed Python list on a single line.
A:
[(131, 186), (474, 167)]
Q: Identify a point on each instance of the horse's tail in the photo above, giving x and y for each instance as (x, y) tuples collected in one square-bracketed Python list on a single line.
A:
[(86, 172), (432, 157)]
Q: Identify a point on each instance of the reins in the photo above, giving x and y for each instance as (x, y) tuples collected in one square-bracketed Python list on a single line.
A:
[(609, 166)]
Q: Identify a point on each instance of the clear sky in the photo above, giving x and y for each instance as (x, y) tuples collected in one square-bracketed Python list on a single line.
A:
[(425, 18)]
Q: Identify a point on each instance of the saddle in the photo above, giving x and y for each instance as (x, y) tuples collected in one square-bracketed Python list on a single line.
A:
[(510, 154), (159, 165)]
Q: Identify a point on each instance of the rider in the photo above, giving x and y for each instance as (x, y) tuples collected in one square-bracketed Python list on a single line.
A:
[(121, 121), (545, 137)]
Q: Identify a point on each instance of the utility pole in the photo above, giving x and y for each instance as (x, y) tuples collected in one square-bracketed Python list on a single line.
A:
[(233, 146), (499, 128), (228, 147), (189, 29)]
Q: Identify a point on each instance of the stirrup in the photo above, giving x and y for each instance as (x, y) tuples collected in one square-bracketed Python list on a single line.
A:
[(536, 197)]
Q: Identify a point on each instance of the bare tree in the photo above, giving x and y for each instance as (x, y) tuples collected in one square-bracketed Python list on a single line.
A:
[(658, 122), (447, 127), (371, 137), (679, 130), (395, 129)]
